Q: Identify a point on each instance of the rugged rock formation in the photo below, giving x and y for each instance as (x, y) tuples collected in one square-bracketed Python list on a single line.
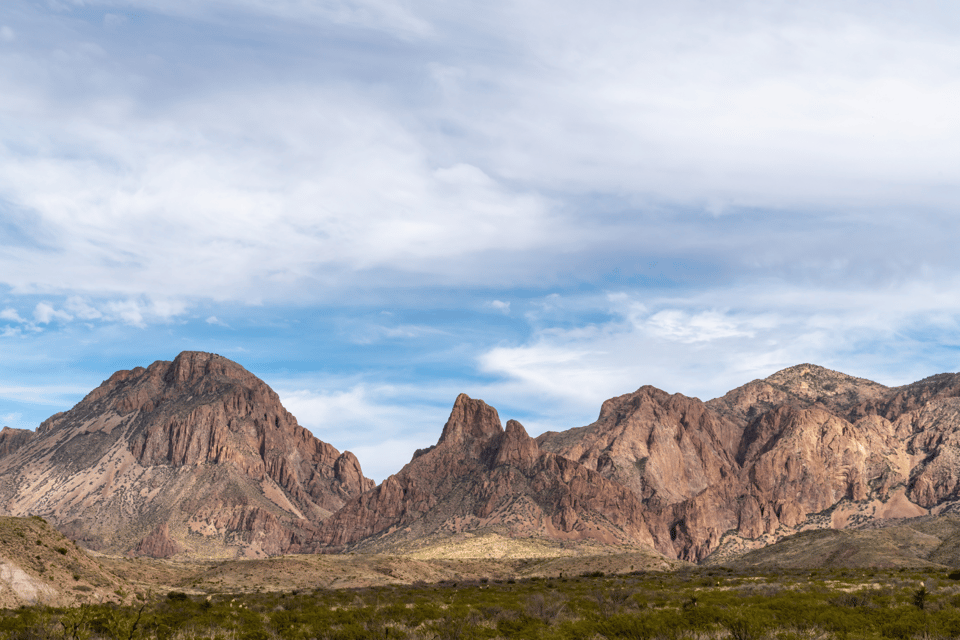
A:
[(158, 544), (196, 455), (805, 448), (13, 439), (480, 476)]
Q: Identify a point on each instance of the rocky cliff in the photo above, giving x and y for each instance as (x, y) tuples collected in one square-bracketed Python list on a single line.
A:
[(13, 439), (194, 456), (804, 448), (480, 476)]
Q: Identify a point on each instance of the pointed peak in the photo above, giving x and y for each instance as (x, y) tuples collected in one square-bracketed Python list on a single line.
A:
[(470, 420), (515, 429), (194, 365), (516, 447)]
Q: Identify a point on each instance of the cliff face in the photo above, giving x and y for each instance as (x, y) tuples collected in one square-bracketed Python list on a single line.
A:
[(193, 456), (13, 439), (805, 448), (480, 476)]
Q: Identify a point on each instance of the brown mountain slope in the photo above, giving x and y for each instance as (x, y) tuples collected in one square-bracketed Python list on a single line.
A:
[(194, 456), (39, 565), (481, 477), (929, 541), (804, 448)]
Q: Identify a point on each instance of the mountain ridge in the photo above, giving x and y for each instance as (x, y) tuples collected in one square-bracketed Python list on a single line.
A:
[(208, 460)]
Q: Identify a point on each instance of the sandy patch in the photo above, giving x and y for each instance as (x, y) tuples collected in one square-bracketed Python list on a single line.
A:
[(24, 586)]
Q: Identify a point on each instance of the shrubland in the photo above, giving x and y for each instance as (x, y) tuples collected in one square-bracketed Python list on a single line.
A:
[(697, 603)]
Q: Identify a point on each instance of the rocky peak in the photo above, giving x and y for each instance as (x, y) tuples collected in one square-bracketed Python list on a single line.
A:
[(191, 367), (471, 422), (207, 440), (480, 476), (515, 447), (815, 384)]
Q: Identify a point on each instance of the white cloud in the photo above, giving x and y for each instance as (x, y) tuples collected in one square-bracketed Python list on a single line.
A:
[(44, 313), (501, 306), (138, 312), (392, 16), (704, 326), (201, 208), (243, 188), (692, 347), (10, 418), (382, 424), (11, 315), (82, 309), (57, 395), (216, 321)]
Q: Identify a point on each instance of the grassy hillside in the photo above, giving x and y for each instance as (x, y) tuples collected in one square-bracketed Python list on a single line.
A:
[(38, 564)]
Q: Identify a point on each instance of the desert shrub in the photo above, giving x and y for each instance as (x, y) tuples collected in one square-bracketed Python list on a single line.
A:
[(920, 597), (629, 627), (857, 599), (520, 626), (547, 607), (746, 625)]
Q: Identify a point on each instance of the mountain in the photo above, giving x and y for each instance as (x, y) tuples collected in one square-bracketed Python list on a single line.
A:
[(806, 448), (198, 458), (482, 477), (195, 456)]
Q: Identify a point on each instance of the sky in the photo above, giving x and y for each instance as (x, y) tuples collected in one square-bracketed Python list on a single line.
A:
[(375, 205)]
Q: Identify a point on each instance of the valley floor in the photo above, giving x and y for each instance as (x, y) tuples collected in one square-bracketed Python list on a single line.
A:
[(695, 603)]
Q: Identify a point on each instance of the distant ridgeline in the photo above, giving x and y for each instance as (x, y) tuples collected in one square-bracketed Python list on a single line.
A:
[(198, 458)]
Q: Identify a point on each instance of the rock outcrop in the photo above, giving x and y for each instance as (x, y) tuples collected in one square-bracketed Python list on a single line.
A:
[(193, 456), (481, 477), (13, 439), (804, 448)]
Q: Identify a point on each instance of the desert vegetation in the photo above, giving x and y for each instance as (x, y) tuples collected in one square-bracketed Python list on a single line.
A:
[(696, 604)]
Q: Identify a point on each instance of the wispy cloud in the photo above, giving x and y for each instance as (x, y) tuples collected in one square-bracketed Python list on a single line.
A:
[(382, 424), (693, 347), (501, 306)]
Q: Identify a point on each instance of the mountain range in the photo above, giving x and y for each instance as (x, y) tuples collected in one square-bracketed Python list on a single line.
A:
[(198, 458)]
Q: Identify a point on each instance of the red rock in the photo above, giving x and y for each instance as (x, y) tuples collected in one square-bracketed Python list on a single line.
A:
[(482, 477), (200, 445), (158, 544), (775, 455)]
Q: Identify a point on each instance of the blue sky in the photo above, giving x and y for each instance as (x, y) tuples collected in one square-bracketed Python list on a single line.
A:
[(375, 205)]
